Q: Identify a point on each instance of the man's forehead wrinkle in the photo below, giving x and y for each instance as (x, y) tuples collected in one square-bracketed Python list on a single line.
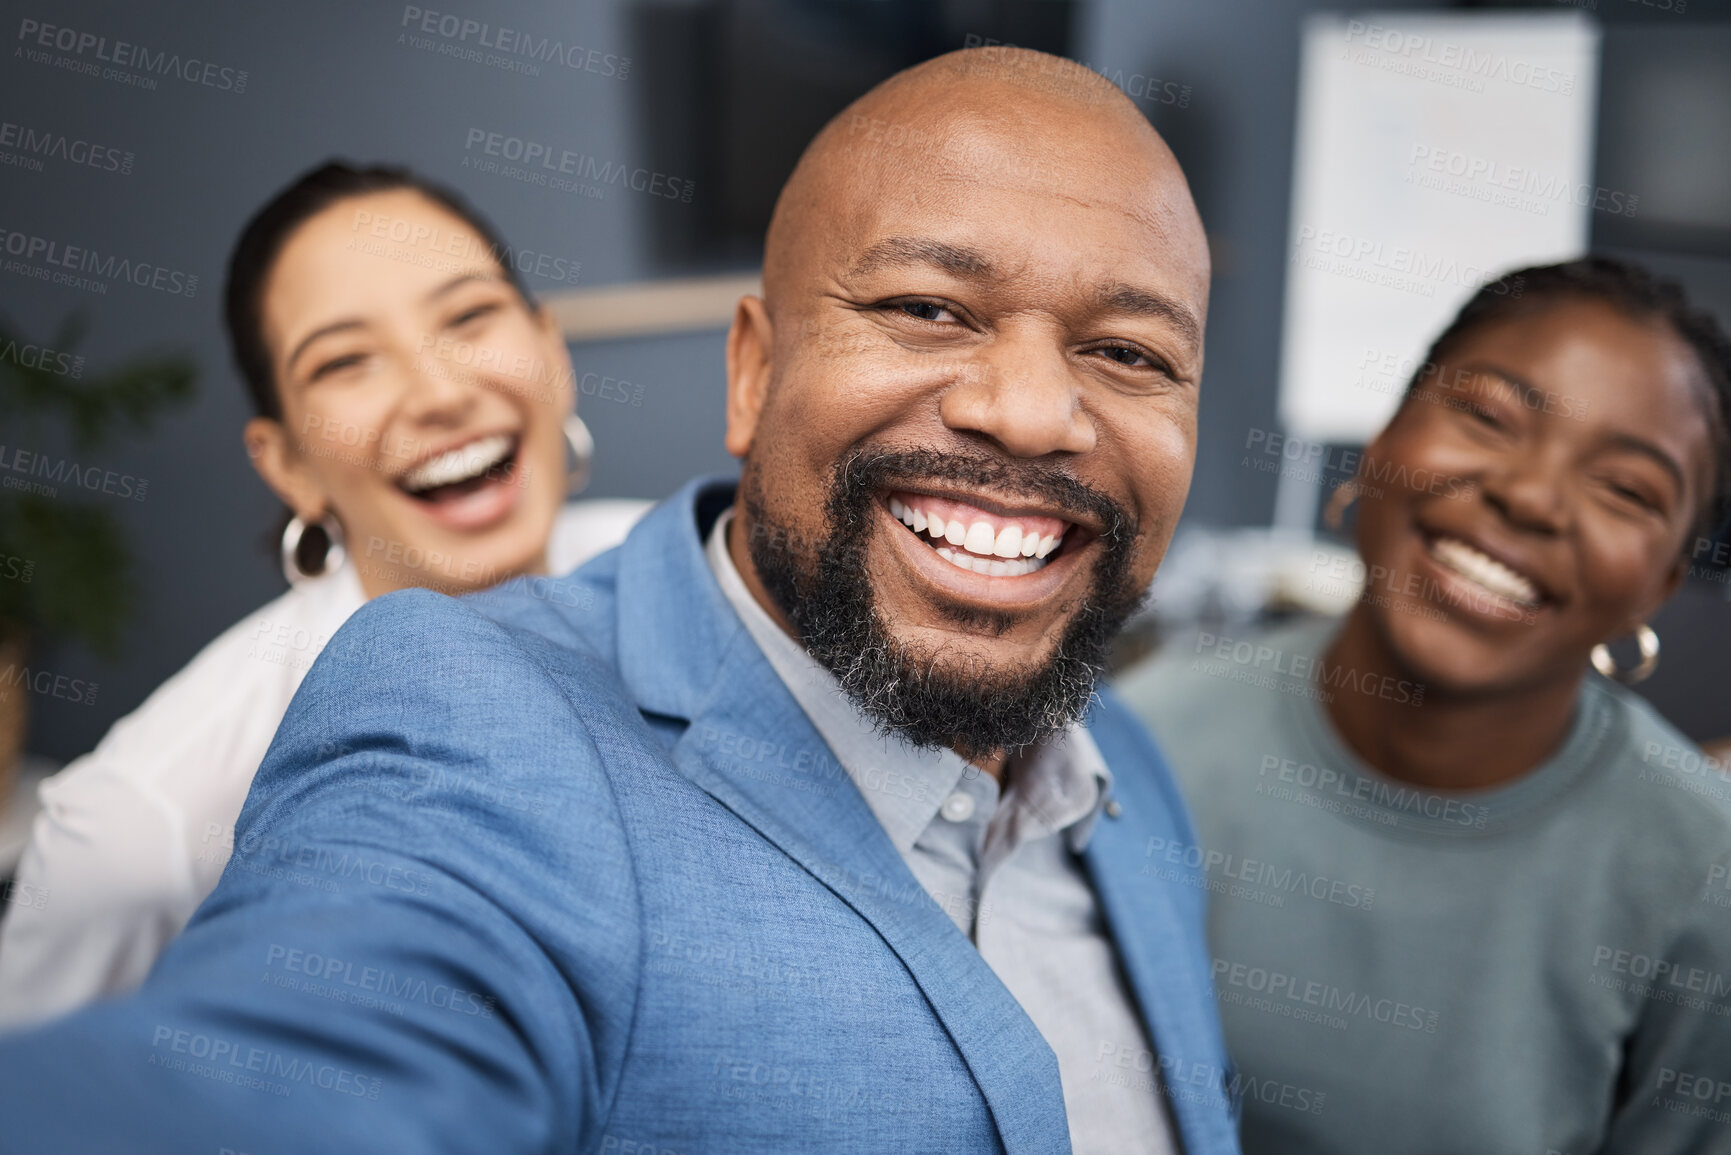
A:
[(958, 260)]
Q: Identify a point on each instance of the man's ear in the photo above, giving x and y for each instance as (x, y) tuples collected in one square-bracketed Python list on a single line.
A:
[(277, 461), (749, 342)]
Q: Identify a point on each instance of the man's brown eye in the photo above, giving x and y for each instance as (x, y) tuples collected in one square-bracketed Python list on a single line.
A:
[(924, 310), (1123, 354)]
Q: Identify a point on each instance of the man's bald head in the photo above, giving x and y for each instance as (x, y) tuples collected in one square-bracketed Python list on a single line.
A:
[(978, 115)]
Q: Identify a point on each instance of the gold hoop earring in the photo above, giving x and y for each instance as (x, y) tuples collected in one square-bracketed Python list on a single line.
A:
[(1648, 640), (1334, 513)]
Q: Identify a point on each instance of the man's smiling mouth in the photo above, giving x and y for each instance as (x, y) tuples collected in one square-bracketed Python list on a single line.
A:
[(979, 540)]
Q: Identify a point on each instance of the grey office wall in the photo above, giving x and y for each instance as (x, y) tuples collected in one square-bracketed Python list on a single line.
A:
[(326, 77)]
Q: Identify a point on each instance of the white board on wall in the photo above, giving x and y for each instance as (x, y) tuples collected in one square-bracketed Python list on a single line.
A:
[(1433, 153)]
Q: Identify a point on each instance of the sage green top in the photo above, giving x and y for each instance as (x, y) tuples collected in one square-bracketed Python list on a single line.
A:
[(1541, 967)]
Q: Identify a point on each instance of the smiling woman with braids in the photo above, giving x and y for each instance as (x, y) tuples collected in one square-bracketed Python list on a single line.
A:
[(1461, 901), (414, 413)]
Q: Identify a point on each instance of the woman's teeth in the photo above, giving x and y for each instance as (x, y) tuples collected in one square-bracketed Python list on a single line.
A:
[(1008, 552), (1484, 570), (464, 463)]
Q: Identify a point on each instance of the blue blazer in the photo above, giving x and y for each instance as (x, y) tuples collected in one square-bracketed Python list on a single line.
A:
[(564, 868)]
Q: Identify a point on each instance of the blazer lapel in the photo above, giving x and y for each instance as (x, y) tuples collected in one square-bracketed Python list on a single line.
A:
[(684, 653), (1166, 963)]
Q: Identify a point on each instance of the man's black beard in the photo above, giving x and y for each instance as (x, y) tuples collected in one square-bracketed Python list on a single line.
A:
[(823, 586)]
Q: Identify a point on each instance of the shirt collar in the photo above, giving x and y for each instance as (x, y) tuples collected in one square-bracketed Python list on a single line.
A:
[(1063, 781)]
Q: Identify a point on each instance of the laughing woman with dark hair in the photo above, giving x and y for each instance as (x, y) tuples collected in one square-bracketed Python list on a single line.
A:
[(1463, 897), (414, 413)]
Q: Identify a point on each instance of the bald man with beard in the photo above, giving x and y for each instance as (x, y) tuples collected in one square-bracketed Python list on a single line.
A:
[(797, 823)]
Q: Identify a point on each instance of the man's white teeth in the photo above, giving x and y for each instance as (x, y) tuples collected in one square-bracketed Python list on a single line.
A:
[(1015, 567), (1021, 552), (459, 464), (1485, 570)]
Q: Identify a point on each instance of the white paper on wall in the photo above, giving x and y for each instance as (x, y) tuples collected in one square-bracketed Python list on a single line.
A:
[(1433, 153)]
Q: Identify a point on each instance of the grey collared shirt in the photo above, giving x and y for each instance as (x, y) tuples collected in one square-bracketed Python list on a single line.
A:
[(1004, 868)]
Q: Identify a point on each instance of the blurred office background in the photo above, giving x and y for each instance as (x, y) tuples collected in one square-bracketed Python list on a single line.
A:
[(721, 94)]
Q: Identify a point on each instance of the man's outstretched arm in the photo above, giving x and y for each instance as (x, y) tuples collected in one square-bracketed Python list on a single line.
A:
[(411, 947)]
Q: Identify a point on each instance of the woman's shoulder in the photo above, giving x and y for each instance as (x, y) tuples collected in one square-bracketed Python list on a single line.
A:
[(1202, 676), (1653, 766), (585, 529), (209, 716)]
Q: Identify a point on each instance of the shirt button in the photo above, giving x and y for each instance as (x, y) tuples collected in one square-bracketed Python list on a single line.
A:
[(1113, 810), (958, 807)]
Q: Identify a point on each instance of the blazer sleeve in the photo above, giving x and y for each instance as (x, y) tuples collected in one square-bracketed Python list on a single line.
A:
[(425, 935)]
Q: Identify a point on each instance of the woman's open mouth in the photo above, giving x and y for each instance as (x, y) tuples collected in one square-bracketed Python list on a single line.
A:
[(469, 485), (1483, 574)]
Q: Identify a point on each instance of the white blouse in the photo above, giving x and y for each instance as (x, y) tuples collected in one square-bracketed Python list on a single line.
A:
[(134, 835)]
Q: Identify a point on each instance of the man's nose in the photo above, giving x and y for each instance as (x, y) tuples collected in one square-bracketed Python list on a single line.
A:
[(1023, 397)]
